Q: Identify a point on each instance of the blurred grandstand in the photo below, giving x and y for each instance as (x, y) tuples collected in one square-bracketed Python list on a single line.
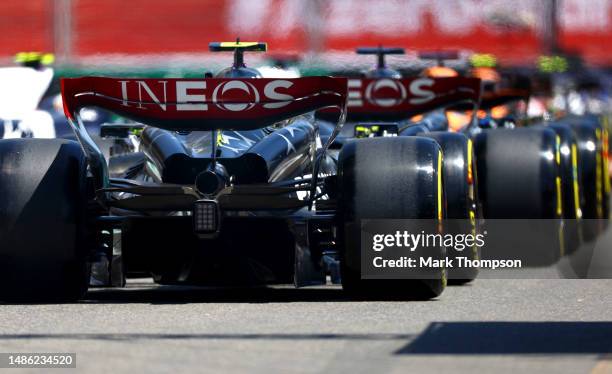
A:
[(158, 32), (170, 38)]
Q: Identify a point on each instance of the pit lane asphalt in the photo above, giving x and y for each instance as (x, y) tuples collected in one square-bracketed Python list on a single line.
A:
[(552, 325), (491, 325)]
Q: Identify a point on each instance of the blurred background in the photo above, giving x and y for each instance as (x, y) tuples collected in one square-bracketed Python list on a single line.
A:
[(561, 45), (145, 34)]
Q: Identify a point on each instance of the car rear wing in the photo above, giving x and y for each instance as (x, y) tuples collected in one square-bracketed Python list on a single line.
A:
[(198, 104), (439, 56), (204, 104), (380, 52), (400, 99), (232, 46)]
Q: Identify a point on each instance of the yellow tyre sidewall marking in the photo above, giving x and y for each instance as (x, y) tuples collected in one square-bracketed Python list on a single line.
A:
[(598, 177), (440, 211), (439, 194), (558, 178), (575, 183)]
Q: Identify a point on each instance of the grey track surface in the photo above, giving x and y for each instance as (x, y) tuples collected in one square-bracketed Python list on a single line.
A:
[(552, 325), (493, 325)]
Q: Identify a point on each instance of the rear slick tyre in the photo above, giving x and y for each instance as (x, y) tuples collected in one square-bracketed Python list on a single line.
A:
[(43, 256), (387, 178), (519, 184)]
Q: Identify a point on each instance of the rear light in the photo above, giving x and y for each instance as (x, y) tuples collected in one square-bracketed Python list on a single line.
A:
[(206, 217)]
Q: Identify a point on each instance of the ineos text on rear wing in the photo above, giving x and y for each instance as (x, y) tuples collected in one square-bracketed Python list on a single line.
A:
[(204, 104), (399, 99)]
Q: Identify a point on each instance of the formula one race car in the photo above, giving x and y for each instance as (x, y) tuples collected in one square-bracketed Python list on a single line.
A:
[(516, 173), (582, 155), (236, 187), (382, 104), (558, 172), (519, 176)]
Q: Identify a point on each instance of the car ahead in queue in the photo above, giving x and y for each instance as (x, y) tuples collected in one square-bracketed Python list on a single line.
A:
[(581, 153), (382, 104), (517, 174), (234, 187)]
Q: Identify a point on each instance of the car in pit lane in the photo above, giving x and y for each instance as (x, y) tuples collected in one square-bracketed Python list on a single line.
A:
[(236, 188), (582, 154), (517, 174), (382, 104), (580, 191), (518, 177)]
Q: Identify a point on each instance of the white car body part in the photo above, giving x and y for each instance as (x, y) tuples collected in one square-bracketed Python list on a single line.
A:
[(21, 89)]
